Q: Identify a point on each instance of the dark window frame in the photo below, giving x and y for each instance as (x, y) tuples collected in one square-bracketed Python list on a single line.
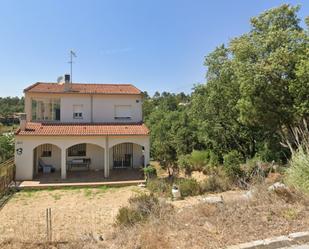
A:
[(77, 150), (46, 150)]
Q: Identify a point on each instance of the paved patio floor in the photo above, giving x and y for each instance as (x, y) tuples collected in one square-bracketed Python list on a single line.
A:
[(118, 177)]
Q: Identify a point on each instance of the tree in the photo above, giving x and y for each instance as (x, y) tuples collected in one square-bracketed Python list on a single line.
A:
[(6, 147)]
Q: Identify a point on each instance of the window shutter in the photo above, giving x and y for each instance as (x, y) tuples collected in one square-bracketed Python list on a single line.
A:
[(123, 111)]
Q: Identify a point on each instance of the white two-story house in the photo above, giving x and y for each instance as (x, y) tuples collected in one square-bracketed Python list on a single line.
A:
[(80, 127)]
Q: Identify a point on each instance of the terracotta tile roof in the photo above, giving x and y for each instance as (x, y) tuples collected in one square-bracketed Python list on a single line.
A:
[(41, 87), (62, 129)]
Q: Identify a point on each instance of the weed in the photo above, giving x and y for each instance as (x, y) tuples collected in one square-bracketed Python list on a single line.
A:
[(290, 214)]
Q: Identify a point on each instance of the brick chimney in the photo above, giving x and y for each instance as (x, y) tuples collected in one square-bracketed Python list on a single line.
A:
[(23, 121), (67, 82)]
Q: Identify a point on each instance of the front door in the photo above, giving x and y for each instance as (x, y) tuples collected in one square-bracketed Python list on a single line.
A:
[(123, 155)]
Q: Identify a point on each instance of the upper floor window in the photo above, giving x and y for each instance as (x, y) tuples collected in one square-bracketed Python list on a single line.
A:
[(123, 112), (45, 109), (78, 111)]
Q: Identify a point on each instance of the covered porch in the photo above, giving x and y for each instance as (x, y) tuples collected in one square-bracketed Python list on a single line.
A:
[(88, 162), (118, 177), (91, 176), (81, 152)]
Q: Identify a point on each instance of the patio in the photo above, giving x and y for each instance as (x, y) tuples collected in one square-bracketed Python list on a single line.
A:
[(118, 177)]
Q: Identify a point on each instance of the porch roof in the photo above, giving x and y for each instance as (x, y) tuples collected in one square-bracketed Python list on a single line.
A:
[(82, 129)]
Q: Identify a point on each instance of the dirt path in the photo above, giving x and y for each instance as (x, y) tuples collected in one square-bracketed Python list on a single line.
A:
[(75, 212)]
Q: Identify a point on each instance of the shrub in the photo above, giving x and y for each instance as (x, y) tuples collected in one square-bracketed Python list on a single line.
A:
[(199, 159), (231, 162), (213, 159), (218, 182), (150, 172), (127, 217), (160, 186), (298, 173), (188, 187), (139, 209), (185, 163)]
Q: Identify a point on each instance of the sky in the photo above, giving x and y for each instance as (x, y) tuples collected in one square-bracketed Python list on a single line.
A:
[(157, 45)]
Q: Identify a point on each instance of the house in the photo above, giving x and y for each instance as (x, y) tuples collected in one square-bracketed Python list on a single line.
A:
[(80, 127)]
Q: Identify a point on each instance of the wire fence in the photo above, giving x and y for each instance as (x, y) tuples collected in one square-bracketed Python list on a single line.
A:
[(7, 175)]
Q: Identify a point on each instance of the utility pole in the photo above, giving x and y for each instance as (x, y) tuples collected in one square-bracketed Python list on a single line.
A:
[(72, 54)]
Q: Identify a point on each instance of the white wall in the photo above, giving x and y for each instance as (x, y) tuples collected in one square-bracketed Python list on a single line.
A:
[(103, 106), (137, 156), (66, 108)]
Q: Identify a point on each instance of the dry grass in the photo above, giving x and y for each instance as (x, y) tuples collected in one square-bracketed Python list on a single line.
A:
[(76, 213), (80, 216), (211, 226)]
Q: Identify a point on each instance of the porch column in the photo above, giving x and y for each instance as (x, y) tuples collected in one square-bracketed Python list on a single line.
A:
[(106, 159), (146, 154), (63, 164)]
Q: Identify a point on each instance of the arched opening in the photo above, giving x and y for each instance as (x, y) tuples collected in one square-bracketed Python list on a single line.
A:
[(84, 157), (126, 155), (46, 159)]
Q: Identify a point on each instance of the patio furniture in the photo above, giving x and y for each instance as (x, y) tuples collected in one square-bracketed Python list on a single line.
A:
[(45, 168), (79, 163)]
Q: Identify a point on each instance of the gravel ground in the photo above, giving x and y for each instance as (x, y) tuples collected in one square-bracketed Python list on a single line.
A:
[(75, 212)]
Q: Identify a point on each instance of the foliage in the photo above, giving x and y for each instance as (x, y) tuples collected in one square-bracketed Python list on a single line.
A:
[(298, 173), (188, 187), (150, 171), (231, 162), (9, 106), (216, 182), (185, 163), (160, 186), (6, 146), (139, 209)]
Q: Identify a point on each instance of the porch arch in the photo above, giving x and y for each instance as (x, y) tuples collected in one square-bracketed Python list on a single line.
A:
[(126, 155), (46, 155), (93, 152), (116, 142)]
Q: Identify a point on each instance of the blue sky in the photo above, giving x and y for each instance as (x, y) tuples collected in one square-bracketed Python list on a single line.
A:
[(157, 45)]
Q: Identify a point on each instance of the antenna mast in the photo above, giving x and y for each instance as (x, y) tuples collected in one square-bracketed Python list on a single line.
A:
[(72, 54)]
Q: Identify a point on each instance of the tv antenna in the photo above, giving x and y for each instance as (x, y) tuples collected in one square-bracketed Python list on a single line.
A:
[(72, 54)]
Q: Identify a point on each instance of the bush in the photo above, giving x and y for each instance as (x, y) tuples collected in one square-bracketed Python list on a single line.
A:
[(231, 162), (150, 172), (161, 186), (218, 182), (127, 217), (200, 159), (298, 173), (139, 209), (188, 187), (185, 163)]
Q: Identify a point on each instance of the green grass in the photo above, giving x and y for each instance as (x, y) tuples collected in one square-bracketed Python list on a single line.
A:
[(89, 192), (298, 173), (56, 196)]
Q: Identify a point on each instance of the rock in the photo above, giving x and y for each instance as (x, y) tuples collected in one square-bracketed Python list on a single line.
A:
[(277, 186), (213, 199), (249, 194), (141, 185), (93, 237), (209, 227)]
